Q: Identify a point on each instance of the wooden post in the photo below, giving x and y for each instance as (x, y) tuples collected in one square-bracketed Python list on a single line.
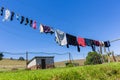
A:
[(26, 59), (101, 52), (109, 53), (114, 59)]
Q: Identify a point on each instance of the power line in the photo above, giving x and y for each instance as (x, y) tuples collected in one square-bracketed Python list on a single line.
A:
[(23, 53), (10, 53), (48, 53), (115, 40)]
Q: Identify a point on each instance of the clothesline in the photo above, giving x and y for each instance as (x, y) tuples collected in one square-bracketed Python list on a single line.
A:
[(62, 38), (114, 40)]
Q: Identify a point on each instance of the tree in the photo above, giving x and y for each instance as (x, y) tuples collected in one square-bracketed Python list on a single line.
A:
[(93, 58), (21, 58), (1, 55), (11, 58)]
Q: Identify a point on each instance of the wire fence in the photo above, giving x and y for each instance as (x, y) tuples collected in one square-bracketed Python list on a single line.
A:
[(12, 61)]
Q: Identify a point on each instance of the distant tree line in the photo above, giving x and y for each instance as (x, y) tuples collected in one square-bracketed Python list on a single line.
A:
[(20, 58)]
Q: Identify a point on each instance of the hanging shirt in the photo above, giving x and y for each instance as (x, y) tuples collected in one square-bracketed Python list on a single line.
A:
[(34, 25), (1, 11), (90, 42), (60, 37), (96, 43), (107, 43), (26, 21), (22, 19), (12, 16), (41, 28), (46, 29), (93, 45), (7, 15), (81, 41), (72, 40), (101, 43), (31, 23)]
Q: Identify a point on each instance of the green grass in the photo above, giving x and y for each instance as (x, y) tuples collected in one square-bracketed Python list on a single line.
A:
[(93, 72)]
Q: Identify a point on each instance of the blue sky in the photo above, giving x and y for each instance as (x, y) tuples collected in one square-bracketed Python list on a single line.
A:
[(94, 19)]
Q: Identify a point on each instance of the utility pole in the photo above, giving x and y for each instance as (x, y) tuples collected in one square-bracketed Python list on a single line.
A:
[(26, 59), (69, 58)]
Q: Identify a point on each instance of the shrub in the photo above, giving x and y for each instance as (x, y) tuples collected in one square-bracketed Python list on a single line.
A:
[(93, 58), (21, 58), (69, 64), (1, 55)]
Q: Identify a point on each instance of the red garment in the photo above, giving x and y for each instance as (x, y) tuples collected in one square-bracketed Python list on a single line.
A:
[(96, 43), (81, 41), (34, 25)]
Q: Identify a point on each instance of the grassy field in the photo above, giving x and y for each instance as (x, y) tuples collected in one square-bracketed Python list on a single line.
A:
[(109, 71), (62, 63), (7, 64)]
